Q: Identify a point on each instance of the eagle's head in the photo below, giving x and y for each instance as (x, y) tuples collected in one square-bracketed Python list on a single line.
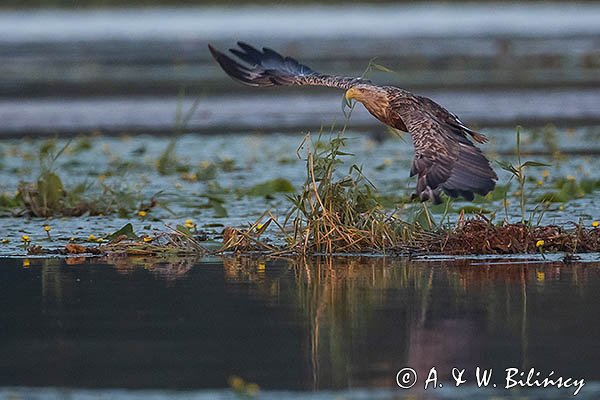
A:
[(374, 98)]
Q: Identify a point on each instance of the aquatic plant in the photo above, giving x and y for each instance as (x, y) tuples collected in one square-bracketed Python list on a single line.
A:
[(568, 188), (242, 388), (480, 236), (518, 172), (249, 239), (47, 196), (168, 162), (333, 214), (179, 241), (47, 229)]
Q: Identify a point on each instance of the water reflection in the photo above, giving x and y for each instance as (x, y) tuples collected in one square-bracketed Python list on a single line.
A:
[(301, 324)]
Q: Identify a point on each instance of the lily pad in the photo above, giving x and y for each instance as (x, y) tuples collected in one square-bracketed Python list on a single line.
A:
[(125, 232), (277, 185)]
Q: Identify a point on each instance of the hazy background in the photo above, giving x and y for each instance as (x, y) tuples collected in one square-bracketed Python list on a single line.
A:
[(75, 70)]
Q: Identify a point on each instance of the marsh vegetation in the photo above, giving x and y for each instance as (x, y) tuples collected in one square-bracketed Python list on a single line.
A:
[(338, 206)]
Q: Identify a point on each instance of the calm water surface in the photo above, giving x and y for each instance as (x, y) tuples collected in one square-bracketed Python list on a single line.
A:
[(319, 329), (343, 327), (120, 70)]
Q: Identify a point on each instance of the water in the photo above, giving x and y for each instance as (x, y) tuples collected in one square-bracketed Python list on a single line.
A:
[(277, 111), (343, 326), (120, 70), (139, 328), (303, 21)]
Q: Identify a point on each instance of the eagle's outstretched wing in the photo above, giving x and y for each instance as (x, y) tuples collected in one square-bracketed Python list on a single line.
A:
[(269, 68), (445, 157)]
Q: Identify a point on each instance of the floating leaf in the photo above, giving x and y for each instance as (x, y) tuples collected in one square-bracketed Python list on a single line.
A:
[(125, 232), (277, 185), (534, 164), (474, 210), (184, 230), (220, 211), (51, 190)]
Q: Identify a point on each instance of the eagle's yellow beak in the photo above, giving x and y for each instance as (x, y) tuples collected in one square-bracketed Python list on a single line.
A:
[(351, 94)]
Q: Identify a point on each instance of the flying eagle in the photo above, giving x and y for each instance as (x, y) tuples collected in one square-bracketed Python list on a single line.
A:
[(445, 158)]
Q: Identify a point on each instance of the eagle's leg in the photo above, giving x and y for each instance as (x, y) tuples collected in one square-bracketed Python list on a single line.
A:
[(424, 192)]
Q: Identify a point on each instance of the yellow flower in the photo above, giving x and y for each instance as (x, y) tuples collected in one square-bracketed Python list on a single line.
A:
[(91, 238), (189, 224), (595, 224), (147, 239), (539, 243), (47, 228), (5, 241), (540, 182), (261, 267), (252, 389), (26, 263), (189, 176), (25, 238), (142, 213), (236, 383), (540, 276), (546, 173)]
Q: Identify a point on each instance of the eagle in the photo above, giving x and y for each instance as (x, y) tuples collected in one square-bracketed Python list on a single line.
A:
[(446, 160)]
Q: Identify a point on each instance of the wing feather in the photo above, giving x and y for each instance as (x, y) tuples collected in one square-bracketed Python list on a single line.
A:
[(269, 68), (445, 159), (451, 120)]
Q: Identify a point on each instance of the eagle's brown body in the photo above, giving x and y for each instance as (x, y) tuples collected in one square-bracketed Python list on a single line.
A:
[(445, 158)]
